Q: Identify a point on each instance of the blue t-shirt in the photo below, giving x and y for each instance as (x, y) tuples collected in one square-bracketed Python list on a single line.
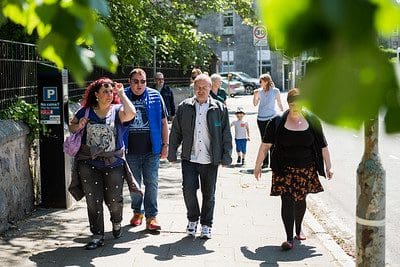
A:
[(106, 133), (266, 108)]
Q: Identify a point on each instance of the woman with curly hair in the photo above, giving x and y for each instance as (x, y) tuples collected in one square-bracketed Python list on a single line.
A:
[(100, 166)]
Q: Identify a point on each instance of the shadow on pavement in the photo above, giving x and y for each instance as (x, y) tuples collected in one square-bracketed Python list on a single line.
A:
[(187, 246), (79, 256), (274, 254)]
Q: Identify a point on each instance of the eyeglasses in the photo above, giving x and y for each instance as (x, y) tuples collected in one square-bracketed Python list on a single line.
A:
[(136, 81), (106, 85)]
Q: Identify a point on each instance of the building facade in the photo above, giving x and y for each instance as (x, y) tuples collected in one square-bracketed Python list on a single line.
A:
[(240, 50)]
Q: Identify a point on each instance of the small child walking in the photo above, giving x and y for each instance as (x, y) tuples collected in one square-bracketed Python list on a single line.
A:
[(242, 135)]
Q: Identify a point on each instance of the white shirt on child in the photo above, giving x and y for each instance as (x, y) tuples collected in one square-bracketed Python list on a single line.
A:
[(240, 129)]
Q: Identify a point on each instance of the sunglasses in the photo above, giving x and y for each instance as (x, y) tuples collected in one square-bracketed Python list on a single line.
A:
[(136, 81), (194, 77), (109, 84)]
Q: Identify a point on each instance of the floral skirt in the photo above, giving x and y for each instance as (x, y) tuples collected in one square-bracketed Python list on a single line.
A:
[(296, 181)]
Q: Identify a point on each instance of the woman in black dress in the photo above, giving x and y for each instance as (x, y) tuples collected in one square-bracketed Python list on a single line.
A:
[(299, 152)]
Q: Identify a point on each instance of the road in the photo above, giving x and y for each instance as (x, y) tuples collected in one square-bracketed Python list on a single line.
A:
[(335, 208)]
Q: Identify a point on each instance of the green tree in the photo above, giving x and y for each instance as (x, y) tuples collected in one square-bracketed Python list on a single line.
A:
[(69, 33), (79, 33), (134, 25), (351, 83), (14, 32), (354, 80)]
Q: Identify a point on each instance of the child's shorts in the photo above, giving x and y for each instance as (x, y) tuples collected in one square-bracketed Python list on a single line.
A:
[(241, 145)]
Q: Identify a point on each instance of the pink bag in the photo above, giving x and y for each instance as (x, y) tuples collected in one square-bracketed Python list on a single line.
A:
[(72, 143)]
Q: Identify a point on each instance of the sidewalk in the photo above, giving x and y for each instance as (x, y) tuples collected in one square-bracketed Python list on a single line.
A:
[(247, 230)]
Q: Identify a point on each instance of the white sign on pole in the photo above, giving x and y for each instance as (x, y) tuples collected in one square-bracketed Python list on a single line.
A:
[(260, 36)]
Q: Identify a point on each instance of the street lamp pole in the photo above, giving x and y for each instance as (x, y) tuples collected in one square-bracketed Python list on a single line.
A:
[(229, 51), (229, 43), (155, 56)]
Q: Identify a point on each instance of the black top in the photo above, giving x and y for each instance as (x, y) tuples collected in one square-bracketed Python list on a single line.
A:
[(297, 150), (168, 98), (280, 157)]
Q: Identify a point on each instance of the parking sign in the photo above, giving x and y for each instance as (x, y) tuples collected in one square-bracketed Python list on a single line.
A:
[(50, 93)]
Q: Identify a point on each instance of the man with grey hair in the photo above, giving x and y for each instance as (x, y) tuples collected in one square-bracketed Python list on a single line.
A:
[(166, 94), (216, 91), (201, 126)]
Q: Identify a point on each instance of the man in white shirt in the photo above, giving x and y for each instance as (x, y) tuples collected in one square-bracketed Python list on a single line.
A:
[(201, 125)]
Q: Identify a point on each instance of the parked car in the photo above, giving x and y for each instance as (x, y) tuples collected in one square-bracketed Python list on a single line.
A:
[(250, 83), (235, 87)]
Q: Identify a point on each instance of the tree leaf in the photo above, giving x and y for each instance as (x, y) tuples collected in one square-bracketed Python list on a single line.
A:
[(350, 87), (104, 47)]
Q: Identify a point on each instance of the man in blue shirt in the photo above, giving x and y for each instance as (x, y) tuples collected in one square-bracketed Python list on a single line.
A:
[(147, 142)]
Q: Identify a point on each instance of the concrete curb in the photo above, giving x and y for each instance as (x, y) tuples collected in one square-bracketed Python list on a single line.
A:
[(330, 244)]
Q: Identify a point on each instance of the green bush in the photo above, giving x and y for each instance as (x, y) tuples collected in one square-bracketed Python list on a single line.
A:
[(28, 114)]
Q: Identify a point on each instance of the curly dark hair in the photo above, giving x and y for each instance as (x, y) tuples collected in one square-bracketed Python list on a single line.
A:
[(89, 98)]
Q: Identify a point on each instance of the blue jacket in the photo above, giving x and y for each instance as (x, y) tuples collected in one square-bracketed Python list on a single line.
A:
[(155, 108)]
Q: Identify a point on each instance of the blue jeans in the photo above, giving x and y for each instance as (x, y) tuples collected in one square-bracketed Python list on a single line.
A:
[(145, 168), (207, 173)]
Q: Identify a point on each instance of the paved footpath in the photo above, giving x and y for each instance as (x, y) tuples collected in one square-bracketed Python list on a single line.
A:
[(247, 230)]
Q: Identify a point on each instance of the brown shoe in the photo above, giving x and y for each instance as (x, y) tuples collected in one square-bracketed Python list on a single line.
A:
[(287, 245), (300, 236), (152, 224), (137, 219)]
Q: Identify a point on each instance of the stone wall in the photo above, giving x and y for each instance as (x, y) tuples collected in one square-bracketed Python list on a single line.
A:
[(16, 186)]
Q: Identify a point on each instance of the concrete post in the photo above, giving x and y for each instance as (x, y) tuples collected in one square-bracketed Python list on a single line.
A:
[(370, 212)]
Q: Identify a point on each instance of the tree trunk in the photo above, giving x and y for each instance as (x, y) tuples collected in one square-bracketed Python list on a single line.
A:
[(370, 230)]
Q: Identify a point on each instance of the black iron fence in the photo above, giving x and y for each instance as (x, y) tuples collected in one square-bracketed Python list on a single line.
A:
[(18, 71)]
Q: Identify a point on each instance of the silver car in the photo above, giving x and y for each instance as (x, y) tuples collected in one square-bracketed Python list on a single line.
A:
[(235, 87)]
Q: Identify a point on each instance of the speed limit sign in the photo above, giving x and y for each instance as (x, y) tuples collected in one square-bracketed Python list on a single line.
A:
[(260, 36)]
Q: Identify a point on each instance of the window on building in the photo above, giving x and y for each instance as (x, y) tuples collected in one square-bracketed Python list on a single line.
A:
[(265, 61), (227, 23), (228, 63)]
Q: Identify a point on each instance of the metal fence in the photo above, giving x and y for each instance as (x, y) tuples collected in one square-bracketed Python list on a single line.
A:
[(18, 71)]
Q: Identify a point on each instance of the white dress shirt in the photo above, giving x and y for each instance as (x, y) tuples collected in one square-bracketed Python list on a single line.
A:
[(201, 139)]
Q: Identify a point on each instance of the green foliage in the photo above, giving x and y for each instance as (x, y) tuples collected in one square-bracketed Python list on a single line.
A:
[(69, 32), (73, 33), (28, 114), (389, 52), (354, 79), (134, 25), (14, 32)]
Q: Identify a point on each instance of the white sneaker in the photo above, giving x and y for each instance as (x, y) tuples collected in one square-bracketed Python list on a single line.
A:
[(205, 232), (191, 228)]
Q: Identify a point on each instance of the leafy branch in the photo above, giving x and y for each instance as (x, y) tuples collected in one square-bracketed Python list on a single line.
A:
[(28, 114)]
